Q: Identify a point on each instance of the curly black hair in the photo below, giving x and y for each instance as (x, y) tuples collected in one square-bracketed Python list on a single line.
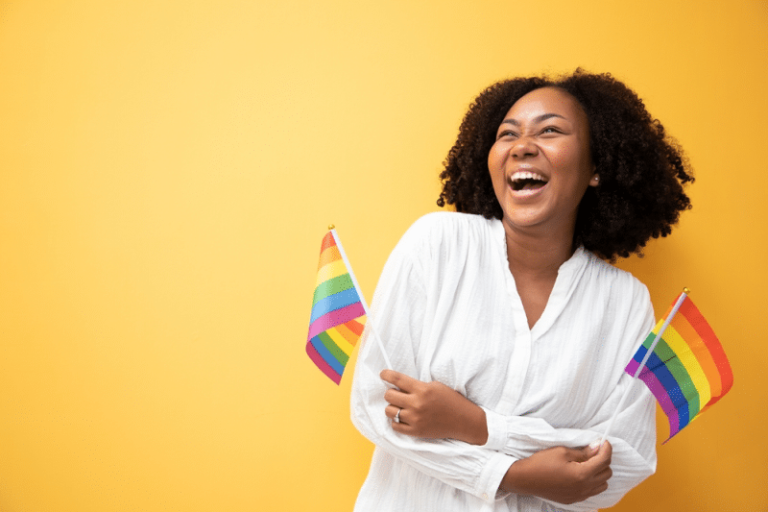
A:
[(641, 168)]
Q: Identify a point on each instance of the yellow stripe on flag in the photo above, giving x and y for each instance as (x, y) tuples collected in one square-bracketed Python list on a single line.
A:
[(339, 340), (331, 270), (687, 332), (691, 364), (350, 336)]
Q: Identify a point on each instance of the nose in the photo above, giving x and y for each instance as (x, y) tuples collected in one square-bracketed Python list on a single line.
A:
[(524, 147)]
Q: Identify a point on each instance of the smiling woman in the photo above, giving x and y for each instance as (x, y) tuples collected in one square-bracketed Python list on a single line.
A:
[(509, 332), (540, 164), (632, 156)]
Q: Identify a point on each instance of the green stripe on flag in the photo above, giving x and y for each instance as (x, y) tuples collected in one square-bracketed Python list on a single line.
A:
[(331, 286), (681, 375), (333, 348)]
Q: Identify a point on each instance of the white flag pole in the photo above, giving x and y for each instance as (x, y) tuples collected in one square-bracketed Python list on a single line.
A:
[(656, 339), (369, 320)]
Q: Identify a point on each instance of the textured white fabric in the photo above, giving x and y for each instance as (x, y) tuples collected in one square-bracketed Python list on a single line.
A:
[(447, 309)]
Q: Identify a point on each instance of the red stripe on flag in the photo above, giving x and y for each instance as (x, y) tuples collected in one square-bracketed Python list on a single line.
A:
[(356, 327), (708, 336), (328, 241), (320, 363)]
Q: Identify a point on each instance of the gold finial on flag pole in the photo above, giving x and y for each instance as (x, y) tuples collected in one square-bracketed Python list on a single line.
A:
[(686, 290), (331, 226)]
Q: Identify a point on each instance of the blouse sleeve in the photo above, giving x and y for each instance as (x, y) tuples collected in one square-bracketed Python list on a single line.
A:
[(632, 436), (396, 318)]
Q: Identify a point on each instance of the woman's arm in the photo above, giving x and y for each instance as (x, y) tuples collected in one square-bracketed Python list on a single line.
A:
[(397, 315), (432, 410), (557, 465), (472, 469), (562, 475), (435, 411)]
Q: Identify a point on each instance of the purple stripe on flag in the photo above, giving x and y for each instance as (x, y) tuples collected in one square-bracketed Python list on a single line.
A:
[(634, 363), (661, 394), (674, 423), (334, 318), (632, 367)]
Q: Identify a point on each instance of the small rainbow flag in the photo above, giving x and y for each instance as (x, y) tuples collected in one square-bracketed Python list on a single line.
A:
[(683, 364), (337, 306)]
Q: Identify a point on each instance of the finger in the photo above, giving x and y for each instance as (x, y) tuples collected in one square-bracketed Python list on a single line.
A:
[(400, 380), (604, 474), (597, 490), (396, 398), (600, 456), (592, 489), (608, 447), (600, 473), (599, 466), (604, 454), (580, 454), (402, 428), (391, 411)]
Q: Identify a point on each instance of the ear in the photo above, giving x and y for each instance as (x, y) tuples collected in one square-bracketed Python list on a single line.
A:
[(595, 181)]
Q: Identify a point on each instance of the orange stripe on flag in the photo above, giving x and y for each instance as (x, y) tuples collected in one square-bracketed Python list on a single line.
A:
[(692, 338), (329, 255), (356, 326), (347, 333), (708, 336)]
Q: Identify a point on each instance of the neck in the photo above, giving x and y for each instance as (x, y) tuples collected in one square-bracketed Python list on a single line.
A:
[(535, 254)]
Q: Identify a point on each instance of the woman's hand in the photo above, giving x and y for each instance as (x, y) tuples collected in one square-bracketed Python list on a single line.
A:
[(563, 475), (432, 410)]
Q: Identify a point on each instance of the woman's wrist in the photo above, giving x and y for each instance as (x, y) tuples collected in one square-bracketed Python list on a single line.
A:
[(512, 478), (475, 430)]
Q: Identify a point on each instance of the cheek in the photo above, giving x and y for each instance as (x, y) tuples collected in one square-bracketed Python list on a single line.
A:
[(496, 158), (570, 159), (577, 156), (561, 156), (496, 168)]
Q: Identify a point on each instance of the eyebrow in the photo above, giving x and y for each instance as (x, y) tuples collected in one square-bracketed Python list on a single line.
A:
[(538, 119)]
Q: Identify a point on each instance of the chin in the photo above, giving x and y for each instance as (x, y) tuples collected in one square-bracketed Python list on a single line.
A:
[(522, 223)]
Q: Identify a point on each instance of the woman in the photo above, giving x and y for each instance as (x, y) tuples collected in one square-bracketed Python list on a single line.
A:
[(507, 329)]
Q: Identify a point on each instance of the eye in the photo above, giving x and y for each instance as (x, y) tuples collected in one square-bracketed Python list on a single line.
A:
[(506, 134), (551, 129)]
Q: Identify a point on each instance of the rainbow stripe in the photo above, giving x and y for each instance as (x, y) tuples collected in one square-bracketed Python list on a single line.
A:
[(334, 325), (688, 370)]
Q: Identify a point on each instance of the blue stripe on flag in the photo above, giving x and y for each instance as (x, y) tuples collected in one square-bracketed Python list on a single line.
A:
[(334, 302), (326, 355), (670, 384)]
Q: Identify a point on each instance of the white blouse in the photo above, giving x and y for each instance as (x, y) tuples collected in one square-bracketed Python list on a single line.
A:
[(447, 309)]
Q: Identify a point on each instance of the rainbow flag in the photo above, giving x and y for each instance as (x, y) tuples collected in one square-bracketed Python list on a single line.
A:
[(687, 370), (337, 306)]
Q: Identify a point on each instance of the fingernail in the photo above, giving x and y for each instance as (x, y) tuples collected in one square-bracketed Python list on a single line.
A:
[(594, 444)]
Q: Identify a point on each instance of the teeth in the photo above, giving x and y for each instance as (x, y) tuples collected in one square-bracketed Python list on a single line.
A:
[(525, 175)]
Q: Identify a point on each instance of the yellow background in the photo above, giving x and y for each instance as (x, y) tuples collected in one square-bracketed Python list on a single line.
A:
[(168, 169)]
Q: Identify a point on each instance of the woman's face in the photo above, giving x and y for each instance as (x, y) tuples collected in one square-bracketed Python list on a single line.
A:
[(540, 164)]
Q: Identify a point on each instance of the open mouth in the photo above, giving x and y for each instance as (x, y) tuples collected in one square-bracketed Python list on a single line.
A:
[(528, 181)]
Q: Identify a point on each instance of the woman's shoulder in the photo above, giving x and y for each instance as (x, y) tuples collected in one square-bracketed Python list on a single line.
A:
[(438, 225), (619, 282), (442, 234)]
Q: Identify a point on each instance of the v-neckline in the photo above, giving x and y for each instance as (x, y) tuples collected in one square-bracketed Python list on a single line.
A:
[(567, 275)]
